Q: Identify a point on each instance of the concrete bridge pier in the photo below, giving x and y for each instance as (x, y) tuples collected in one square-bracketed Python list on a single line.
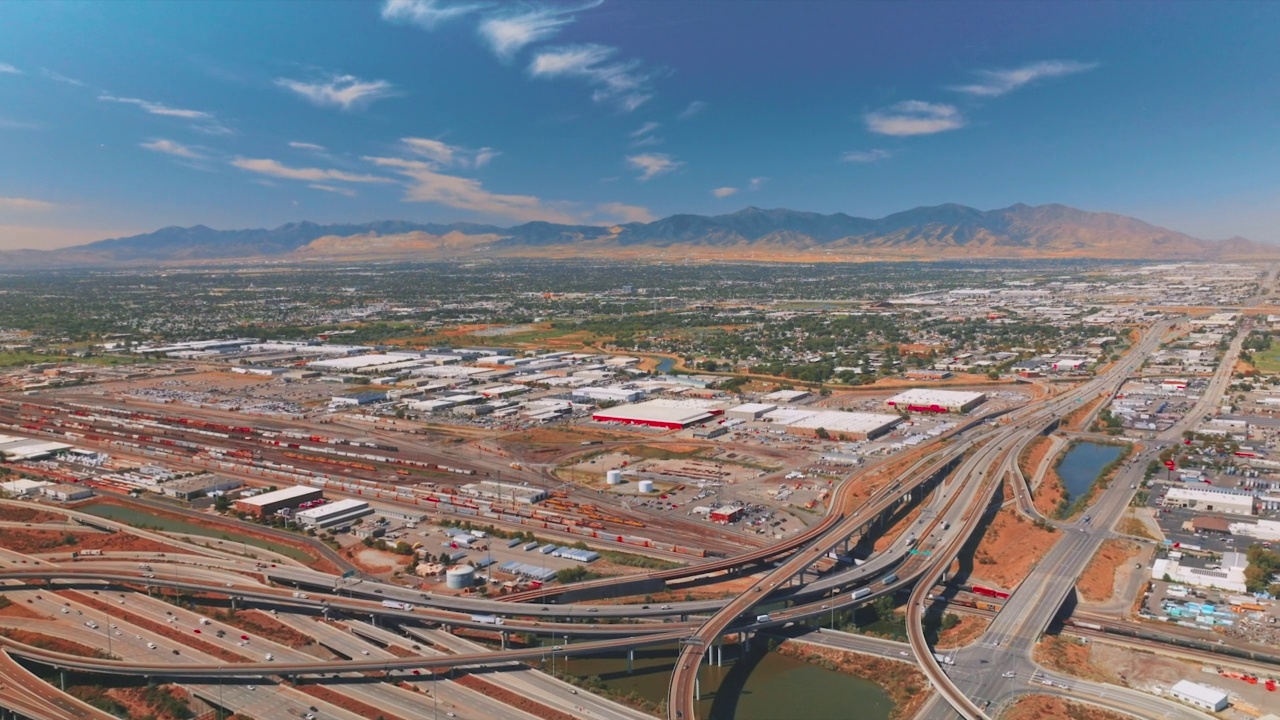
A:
[(631, 660), (503, 638)]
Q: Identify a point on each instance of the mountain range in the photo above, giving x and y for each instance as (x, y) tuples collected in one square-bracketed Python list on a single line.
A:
[(925, 233)]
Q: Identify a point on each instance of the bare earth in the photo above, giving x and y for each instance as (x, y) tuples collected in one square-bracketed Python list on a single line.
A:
[(1047, 707), (970, 629), (1009, 548), (1100, 579)]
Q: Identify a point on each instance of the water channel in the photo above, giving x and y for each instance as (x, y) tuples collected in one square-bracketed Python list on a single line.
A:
[(1082, 465), (142, 519), (762, 686)]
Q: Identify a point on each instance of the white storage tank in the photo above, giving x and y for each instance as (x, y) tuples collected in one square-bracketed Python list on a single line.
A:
[(613, 477), (646, 486), (459, 577)]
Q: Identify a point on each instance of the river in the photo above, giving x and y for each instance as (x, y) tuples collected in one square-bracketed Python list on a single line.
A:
[(764, 686)]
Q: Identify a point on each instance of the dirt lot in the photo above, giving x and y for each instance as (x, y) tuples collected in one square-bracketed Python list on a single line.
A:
[(1009, 548), (970, 628), (1050, 494), (13, 513), (36, 541), (1100, 579), (1073, 656), (375, 561), (1071, 423), (904, 683), (20, 610), (48, 642), (1047, 707), (1033, 455)]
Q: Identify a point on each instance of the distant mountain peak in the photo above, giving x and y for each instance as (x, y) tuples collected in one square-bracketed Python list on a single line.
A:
[(948, 230)]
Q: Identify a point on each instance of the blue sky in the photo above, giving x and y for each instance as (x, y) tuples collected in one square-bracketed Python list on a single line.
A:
[(120, 117)]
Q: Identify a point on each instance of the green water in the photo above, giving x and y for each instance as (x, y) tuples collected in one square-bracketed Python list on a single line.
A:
[(765, 686), (142, 519), (1082, 464)]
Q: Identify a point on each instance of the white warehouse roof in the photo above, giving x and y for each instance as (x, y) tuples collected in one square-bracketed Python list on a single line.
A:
[(331, 509), (362, 361), (283, 494), (930, 396), (1203, 693), (838, 421)]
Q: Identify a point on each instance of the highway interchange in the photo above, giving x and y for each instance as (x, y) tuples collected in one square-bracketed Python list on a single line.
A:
[(972, 465)]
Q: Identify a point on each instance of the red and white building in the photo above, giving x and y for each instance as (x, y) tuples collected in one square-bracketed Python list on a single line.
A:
[(936, 401), (662, 413)]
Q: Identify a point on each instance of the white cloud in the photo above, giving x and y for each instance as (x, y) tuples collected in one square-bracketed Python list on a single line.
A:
[(156, 108), (26, 204), (7, 69), (507, 33), (331, 189), (866, 156), (694, 108), (645, 136), (651, 165), (342, 91), (645, 129), (993, 83), (59, 77), (444, 155), (724, 192), (625, 213), (756, 183), (623, 82), (426, 13), (914, 117), (169, 147), (306, 146), (274, 168), (429, 185), (8, 124)]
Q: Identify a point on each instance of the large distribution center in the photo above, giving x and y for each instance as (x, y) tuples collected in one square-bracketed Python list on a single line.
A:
[(836, 423), (272, 502), (670, 414), (335, 513), (938, 401)]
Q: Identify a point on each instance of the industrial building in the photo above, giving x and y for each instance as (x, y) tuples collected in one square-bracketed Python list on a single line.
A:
[(364, 398), (20, 448), (615, 394), (937, 401), (835, 423), (749, 411), (333, 514), (1201, 696), (787, 396), (23, 487), (67, 492), (273, 502), (199, 486), (727, 514), (1229, 575), (1207, 498), (669, 414), (505, 492)]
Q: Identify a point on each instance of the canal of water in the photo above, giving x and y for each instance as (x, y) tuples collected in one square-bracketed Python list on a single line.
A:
[(665, 365), (1083, 463), (762, 686), (163, 523)]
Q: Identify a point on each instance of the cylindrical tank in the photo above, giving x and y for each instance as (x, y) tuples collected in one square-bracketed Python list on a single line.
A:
[(459, 577), (646, 486), (613, 477)]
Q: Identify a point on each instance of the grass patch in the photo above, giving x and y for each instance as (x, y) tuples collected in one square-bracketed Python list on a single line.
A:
[(640, 561), (1267, 361)]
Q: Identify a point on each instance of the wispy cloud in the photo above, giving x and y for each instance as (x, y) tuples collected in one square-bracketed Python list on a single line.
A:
[(169, 147), (306, 146), (445, 155), (756, 183), (507, 32), (156, 108), (623, 83), (914, 117), (428, 184), (26, 204), (993, 83), (724, 192), (331, 189), (866, 156), (340, 91), (10, 124), (427, 13), (274, 168), (644, 136), (651, 165), (695, 107), (625, 213), (59, 77), (7, 69)]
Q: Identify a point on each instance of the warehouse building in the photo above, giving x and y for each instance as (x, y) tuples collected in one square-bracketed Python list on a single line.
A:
[(749, 411), (1211, 499), (199, 486), (834, 423), (668, 414), (333, 514), (936, 401), (1201, 696), (20, 448), (727, 514), (67, 492), (270, 503)]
